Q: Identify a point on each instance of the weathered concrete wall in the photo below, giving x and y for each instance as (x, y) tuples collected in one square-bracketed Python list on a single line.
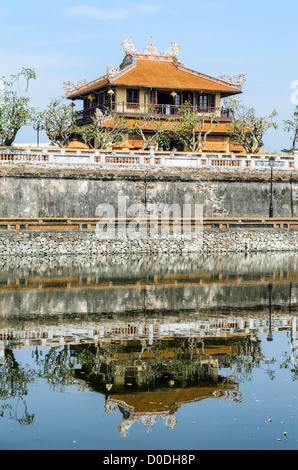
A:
[(57, 191)]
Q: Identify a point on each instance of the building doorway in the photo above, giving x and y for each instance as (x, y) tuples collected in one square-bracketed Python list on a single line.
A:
[(171, 145)]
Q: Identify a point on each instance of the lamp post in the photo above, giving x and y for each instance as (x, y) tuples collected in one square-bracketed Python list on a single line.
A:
[(271, 163), (37, 133), (270, 335)]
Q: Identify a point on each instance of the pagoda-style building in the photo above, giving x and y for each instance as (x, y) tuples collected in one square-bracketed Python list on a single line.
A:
[(157, 81)]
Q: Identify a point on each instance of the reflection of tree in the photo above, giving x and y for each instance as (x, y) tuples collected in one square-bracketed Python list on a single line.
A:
[(14, 387), (180, 362), (246, 357), (172, 362), (287, 363), (186, 366), (55, 367), (149, 363), (243, 362)]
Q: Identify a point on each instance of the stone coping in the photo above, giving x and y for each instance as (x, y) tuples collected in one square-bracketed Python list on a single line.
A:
[(137, 173)]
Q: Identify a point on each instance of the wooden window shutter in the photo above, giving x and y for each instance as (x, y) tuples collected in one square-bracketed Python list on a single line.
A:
[(153, 97)]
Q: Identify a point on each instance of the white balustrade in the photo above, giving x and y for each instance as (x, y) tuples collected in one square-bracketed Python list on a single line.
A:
[(145, 158)]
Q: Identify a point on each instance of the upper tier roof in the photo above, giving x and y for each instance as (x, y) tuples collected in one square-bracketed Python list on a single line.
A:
[(152, 69)]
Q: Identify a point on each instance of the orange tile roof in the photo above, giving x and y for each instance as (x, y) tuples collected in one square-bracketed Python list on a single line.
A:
[(98, 83), (137, 144), (156, 73), (215, 146), (234, 147)]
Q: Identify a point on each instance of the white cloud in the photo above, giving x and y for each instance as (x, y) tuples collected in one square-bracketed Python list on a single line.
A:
[(86, 11), (50, 61), (147, 8), (96, 14)]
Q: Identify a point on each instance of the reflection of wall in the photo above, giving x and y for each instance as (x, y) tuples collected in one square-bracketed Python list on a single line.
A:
[(48, 300), (160, 296), (78, 331), (42, 274), (143, 266)]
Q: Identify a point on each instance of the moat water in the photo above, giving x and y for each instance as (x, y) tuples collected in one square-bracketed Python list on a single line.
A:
[(151, 353)]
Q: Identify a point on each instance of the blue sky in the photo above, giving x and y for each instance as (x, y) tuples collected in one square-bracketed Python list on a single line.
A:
[(73, 40)]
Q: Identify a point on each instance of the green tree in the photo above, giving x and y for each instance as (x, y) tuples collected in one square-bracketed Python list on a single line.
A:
[(15, 111), (149, 127), (87, 133), (104, 130), (58, 121), (192, 129), (247, 129), (291, 125), (164, 140)]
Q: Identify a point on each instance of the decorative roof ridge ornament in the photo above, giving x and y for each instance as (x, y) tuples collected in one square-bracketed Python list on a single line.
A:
[(151, 49), (236, 79), (113, 70), (71, 86), (113, 73), (173, 50), (129, 47)]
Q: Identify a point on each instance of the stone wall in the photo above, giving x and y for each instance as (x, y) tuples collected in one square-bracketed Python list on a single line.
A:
[(76, 191), (70, 191), (55, 243)]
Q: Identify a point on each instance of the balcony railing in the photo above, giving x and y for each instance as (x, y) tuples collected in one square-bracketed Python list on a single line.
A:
[(162, 110)]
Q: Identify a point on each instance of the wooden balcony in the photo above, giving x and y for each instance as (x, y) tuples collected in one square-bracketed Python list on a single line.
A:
[(163, 111)]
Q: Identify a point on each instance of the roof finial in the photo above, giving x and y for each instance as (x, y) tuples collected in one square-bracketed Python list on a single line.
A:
[(129, 48)]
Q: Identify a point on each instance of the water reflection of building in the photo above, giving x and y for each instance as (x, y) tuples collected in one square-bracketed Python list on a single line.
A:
[(69, 332), (147, 383), (134, 412), (148, 370), (117, 322)]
